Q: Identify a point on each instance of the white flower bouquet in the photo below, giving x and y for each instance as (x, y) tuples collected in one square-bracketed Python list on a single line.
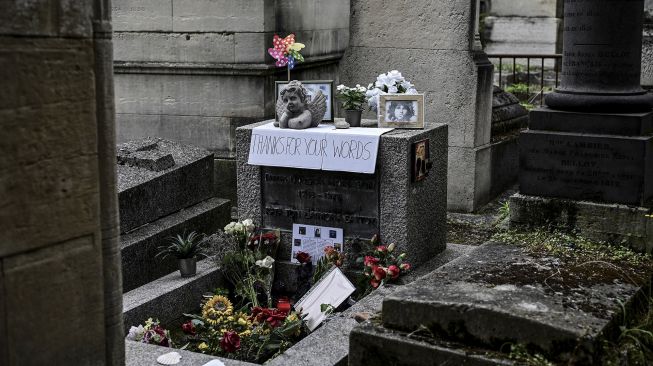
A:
[(391, 82)]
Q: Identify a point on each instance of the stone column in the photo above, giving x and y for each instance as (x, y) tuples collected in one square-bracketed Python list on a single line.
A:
[(602, 58)]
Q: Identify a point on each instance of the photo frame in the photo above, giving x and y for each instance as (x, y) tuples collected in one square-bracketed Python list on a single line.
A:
[(401, 110), (420, 160), (325, 86)]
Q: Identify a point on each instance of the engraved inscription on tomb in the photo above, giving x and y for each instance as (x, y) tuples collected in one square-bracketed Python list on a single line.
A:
[(337, 199)]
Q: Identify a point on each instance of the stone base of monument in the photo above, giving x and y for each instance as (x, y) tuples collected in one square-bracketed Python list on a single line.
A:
[(495, 295), (609, 222), (411, 214)]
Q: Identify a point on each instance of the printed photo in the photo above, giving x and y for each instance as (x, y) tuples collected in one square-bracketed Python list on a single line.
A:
[(401, 111), (332, 234), (302, 230), (317, 233), (298, 242), (325, 86)]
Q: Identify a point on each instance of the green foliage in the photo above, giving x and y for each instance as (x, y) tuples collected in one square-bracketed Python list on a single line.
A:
[(353, 98), (517, 88), (504, 210), (519, 353), (527, 105), (183, 246)]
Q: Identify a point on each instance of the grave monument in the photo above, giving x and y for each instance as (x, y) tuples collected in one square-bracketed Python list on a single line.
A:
[(586, 160)]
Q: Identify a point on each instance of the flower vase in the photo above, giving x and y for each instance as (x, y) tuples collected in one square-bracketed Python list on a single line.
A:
[(353, 117), (188, 267)]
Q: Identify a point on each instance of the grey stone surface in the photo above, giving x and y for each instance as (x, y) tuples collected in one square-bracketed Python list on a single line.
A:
[(141, 354), (626, 225), (139, 246), (326, 346), (457, 92), (168, 297), (522, 34), (146, 195), (411, 214), (621, 124), (372, 344), (525, 8), (507, 114), (505, 164), (464, 301)]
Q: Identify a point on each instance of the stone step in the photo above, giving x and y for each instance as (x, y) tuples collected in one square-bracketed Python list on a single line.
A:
[(168, 297), (139, 246), (149, 188), (498, 294), (371, 344)]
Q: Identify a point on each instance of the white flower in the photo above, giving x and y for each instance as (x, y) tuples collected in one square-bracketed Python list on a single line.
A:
[(393, 89), (340, 87), (136, 333), (239, 228), (229, 227), (249, 225), (265, 263), (370, 86)]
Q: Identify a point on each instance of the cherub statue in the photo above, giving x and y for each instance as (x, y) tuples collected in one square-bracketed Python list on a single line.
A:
[(294, 111)]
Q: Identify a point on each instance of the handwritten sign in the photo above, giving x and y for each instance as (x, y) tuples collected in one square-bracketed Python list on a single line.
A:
[(323, 147)]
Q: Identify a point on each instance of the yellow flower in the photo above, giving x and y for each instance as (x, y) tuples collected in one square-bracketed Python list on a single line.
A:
[(215, 308), (246, 333), (230, 318), (202, 346), (292, 317), (242, 321)]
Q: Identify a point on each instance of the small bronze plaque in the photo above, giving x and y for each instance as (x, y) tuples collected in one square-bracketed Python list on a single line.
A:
[(317, 197)]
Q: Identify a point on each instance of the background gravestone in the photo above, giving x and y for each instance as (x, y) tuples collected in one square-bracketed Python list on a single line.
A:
[(434, 45), (594, 141)]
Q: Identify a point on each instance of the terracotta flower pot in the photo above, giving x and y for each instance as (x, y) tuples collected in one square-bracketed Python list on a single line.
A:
[(353, 117), (188, 267)]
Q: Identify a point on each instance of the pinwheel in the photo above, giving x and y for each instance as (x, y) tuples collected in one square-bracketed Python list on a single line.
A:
[(286, 52)]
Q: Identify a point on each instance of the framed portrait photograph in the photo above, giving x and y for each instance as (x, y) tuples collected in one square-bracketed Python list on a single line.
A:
[(325, 86), (401, 110)]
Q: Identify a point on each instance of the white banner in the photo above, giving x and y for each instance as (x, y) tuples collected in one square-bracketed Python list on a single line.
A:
[(323, 147)]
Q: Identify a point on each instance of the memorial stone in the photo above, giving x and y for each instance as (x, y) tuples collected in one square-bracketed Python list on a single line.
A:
[(593, 142), (387, 202)]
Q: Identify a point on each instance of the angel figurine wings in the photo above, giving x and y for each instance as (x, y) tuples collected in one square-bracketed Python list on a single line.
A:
[(294, 110)]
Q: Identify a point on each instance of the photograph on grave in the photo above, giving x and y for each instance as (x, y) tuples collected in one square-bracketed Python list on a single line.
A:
[(421, 160), (312, 87), (401, 111), (313, 240), (296, 110)]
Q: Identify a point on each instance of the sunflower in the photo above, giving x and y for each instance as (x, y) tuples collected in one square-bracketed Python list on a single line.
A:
[(216, 308)]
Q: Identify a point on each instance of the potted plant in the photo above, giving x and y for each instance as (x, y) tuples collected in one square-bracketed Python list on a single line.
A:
[(187, 248), (353, 99)]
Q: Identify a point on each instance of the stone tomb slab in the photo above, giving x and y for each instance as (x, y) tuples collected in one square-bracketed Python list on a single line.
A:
[(410, 214), (601, 168), (474, 299), (150, 188)]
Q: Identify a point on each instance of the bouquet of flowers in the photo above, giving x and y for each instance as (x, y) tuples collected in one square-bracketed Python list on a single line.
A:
[(381, 265), (250, 269), (353, 98), (251, 334), (151, 333), (391, 82)]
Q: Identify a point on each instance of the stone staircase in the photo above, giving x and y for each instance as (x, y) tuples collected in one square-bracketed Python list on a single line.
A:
[(165, 189)]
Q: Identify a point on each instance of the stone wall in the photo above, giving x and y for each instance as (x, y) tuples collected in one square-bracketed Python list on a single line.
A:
[(433, 44), (57, 199), (524, 26), (194, 70)]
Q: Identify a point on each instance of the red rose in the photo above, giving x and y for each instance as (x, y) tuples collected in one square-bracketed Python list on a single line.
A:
[(375, 283), (379, 273), (303, 257), (273, 317), (230, 341), (382, 248), (189, 328), (394, 271), (370, 261), (405, 266)]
